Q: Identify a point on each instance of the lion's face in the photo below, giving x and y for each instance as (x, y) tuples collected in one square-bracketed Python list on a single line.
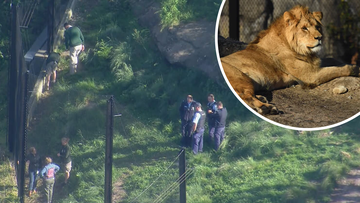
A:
[(304, 30)]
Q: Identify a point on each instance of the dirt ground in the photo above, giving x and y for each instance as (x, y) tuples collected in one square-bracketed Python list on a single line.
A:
[(318, 107), (348, 188)]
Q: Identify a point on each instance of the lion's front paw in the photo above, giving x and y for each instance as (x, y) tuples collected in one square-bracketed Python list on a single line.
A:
[(268, 109), (262, 99)]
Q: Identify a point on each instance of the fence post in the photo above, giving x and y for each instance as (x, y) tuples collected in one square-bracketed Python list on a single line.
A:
[(21, 185), (234, 19), (108, 152), (182, 176), (12, 83)]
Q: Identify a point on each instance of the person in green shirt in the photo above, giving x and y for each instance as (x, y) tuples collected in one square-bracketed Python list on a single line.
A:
[(74, 40), (51, 67)]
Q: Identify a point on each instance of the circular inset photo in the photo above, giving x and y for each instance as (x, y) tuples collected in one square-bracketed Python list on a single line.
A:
[(289, 64)]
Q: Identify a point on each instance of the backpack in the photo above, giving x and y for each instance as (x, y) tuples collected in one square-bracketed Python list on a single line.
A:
[(50, 173)]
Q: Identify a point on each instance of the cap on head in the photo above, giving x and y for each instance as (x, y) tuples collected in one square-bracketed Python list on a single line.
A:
[(197, 105)]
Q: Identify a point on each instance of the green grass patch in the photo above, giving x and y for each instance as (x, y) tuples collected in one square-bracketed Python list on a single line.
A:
[(174, 12), (8, 188)]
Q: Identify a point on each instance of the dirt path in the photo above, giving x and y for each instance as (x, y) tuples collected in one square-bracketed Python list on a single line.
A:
[(348, 189), (118, 191)]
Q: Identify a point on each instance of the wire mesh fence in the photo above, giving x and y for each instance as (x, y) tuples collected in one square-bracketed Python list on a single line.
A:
[(155, 163), (257, 15), (21, 82), (18, 87)]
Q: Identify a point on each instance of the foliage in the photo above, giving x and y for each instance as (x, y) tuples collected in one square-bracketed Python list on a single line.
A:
[(348, 31), (4, 35), (175, 11), (8, 190)]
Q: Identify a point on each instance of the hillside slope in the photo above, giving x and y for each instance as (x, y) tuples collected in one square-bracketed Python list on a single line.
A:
[(258, 162)]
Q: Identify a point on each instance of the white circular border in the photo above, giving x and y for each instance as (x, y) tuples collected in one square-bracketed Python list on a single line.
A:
[(252, 110)]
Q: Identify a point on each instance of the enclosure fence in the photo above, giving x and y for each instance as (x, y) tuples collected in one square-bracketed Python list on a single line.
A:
[(22, 77), (18, 89), (246, 18)]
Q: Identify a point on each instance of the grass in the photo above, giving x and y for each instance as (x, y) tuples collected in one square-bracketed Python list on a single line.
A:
[(8, 190), (273, 165), (258, 162), (174, 12)]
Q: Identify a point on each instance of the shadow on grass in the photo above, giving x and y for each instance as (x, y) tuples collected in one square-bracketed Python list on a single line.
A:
[(348, 193)]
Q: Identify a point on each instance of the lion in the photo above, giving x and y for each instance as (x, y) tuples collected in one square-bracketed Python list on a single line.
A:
[(281, 56)]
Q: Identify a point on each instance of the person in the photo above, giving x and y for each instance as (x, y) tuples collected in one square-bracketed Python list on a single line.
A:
[(48, 173), (64, 154), (187, 110), (198, 128), (74, 40), (34, 167), (51, 67), (211, 108), (220, 122)]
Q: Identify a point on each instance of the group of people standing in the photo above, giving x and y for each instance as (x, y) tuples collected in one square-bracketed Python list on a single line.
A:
[(193, 123), (74, 41), (45, 168)]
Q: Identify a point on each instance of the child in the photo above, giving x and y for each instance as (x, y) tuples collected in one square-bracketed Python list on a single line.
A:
[(51, 67), (48, 173)]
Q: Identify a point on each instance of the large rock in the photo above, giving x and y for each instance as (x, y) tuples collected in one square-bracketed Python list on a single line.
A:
[(191, 44)]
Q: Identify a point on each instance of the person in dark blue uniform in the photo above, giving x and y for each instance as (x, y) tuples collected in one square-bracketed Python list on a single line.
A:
[(198, 129), (211, 108), (187, 110), (220, 122)]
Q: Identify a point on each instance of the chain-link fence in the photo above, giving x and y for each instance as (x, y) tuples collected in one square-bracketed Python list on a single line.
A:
[(18, 89), (23, 75), (257, 15)]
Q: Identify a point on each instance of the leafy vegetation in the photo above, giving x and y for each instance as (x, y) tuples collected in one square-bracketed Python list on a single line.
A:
[(175, 11), (8, 190), (258, 162), (347, 31), (4, 35)]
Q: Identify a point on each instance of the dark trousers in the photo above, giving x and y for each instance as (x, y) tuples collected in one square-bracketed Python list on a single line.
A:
[(219, 137), (33, 180), (211, 133), (49, 189), (186, 133), (198, 141)]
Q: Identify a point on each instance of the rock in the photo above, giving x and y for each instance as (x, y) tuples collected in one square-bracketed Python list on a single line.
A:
[(340, 90), (229, 46), (191, 45)]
